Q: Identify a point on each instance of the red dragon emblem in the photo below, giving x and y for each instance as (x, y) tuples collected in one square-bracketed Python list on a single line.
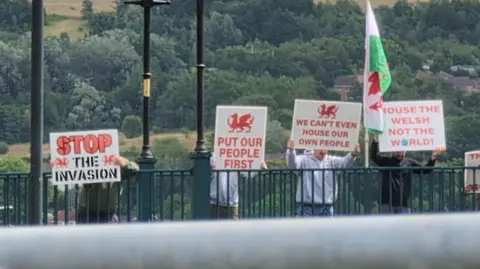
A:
[(241, 124), (60, 162), (327, 112), (108, 159)]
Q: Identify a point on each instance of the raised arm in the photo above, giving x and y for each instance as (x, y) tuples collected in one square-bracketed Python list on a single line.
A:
[(429, 165), (347, 160), (375, 155), (128, 168), (293, 161)]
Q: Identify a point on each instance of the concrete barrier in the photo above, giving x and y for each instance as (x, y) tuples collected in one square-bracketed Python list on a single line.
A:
[(413, 242)]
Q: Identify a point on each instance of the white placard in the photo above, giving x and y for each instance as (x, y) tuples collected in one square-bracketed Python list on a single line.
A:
[(240, 137), (84, 157), (326, 125), (413, 126), (472, 176)]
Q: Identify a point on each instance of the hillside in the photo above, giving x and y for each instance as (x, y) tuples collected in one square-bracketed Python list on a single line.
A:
[(23, 150), (68, 12)]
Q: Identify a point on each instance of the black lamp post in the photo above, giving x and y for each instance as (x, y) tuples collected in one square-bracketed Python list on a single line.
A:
[(146, 160), (201, 168), (36, 116)]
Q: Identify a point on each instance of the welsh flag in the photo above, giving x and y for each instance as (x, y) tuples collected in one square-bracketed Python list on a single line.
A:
[(376, 77)]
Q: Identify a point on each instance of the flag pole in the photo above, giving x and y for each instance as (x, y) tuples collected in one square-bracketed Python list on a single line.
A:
[(365, 89)]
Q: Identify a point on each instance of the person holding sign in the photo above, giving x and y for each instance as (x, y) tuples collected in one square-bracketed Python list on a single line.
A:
[(316, 190), (396, 185), (224, 192), (98, 201)]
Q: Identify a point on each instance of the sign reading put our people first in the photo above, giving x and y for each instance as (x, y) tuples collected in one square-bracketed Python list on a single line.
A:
[(472, 175), (413, 126), (240, 137), (326, 125), (84, 157)]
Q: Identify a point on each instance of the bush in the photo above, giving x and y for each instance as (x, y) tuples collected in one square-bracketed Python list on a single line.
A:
[(132, 126), (3, 148)]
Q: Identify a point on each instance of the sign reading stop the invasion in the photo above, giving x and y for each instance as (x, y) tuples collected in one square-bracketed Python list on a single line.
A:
[(472, 175), (326, 125), (413, 126), (84, 157), (240, 137)]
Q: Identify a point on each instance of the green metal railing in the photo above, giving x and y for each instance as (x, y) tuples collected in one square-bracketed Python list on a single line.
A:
[(261, 194)]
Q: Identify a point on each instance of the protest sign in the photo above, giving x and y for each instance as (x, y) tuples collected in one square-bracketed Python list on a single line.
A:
[(326, 125), (413, 126), (240, 137), (472, 175), (84, 157)]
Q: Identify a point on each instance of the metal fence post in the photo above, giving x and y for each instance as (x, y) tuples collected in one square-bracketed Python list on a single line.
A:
[(145, 206), (202, 174)]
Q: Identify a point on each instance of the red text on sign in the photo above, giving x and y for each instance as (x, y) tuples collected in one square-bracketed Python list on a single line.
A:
[(472, 187), (324, 143), (413, 142), (424, 131), (474, 156), (401, 110), (411, 120), (432, 108), (239, 141), (238, 164), (83, 143), (315, 132), (398, 131), (239, 153)]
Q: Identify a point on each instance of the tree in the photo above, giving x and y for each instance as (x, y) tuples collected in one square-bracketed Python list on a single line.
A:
[(87, 9), (132, 126)]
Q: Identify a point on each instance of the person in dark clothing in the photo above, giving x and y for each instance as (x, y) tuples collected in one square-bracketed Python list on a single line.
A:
[(98, 201), (396, 185)]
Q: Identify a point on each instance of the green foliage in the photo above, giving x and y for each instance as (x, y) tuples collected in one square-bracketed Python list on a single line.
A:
[(296, 50), (258, 52), (276, 137), (13, 164), (87, 9), (3, 148), (132, 126)]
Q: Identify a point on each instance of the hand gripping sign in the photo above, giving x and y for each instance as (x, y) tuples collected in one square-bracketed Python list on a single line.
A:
[(84, 157), (326, 125), (240, 137)]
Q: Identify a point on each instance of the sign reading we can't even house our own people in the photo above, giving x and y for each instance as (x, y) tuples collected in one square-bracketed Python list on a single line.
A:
[(84, 157), (326, 125), (240, 137), (472, 174), (413, 126)]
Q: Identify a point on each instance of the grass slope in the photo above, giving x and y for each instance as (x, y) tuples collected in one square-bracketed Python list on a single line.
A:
[(69, 16), (23, 150)]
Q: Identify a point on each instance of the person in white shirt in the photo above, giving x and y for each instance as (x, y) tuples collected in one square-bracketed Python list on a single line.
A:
[(317, 190), (224, 192)]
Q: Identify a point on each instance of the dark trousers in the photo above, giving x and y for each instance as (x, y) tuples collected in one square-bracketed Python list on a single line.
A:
[(223, 212), (85, 216)]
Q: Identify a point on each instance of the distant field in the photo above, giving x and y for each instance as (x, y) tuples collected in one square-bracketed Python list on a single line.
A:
[(72, 8), (23, 150), (70, 13)]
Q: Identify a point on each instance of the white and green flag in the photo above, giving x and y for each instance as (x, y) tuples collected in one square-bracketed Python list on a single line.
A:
[(377, 78)]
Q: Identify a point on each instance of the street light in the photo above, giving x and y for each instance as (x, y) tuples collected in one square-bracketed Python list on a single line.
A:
[(146, 160), (201, 167)]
